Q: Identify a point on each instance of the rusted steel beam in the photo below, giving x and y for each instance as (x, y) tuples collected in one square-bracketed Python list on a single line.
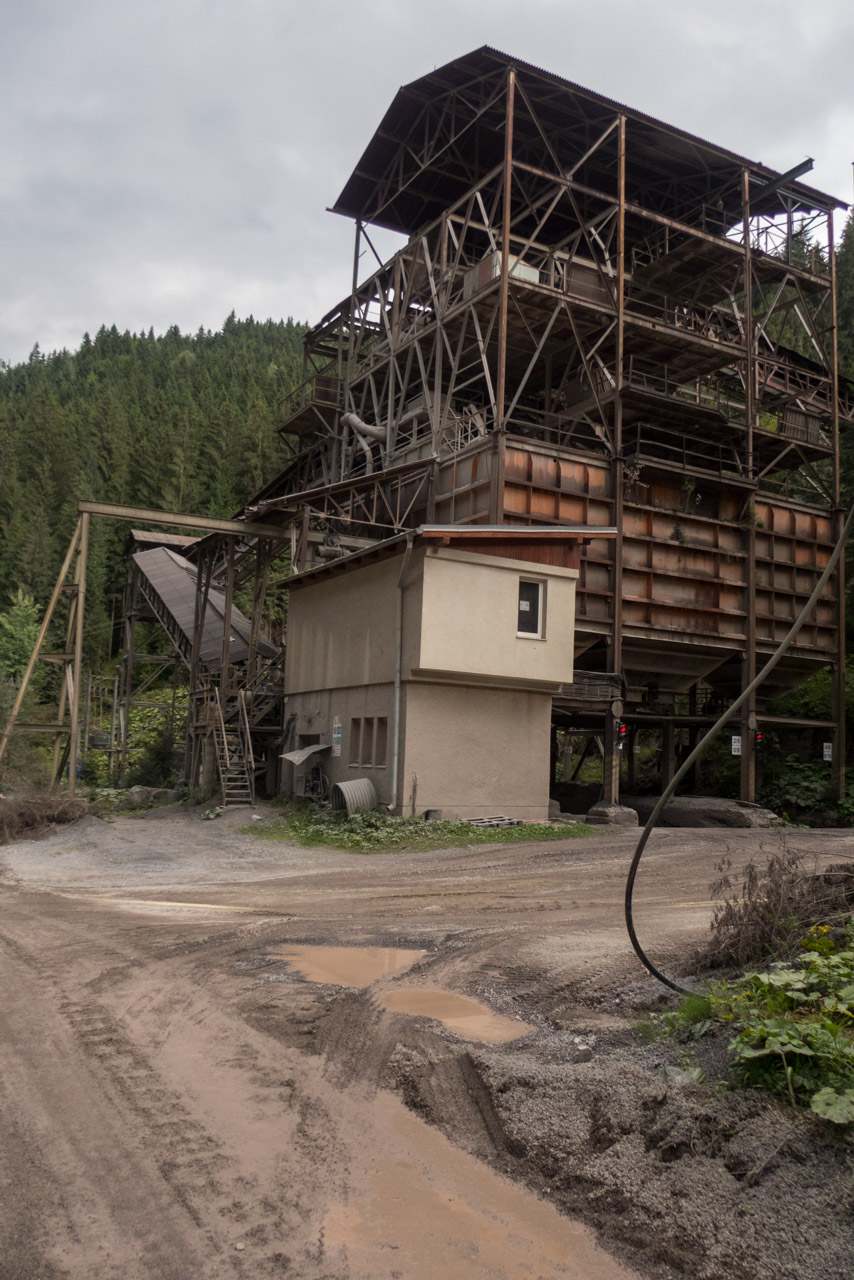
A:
[(615, 646), (839, 690), (748, 716), (146, 515), (501, 374)]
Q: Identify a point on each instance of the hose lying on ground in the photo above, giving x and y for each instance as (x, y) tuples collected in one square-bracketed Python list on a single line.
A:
[(704, 742)]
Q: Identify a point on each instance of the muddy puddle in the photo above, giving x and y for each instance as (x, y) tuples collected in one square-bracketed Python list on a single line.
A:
[(349, 966), (460, 1014)]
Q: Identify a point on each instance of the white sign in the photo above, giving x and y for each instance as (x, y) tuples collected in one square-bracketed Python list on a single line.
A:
[(736, 744), (337, 734), (827, 751)]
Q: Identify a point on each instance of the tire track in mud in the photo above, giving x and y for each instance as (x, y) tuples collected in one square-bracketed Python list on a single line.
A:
[(242, 1222)]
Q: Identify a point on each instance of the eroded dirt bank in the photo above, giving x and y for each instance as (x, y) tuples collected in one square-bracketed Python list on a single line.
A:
[(178, 1100)]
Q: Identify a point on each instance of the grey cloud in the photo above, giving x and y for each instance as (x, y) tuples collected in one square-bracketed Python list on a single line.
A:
[(168, 162)]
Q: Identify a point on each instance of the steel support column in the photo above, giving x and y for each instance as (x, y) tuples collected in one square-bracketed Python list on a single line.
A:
[(838, 706), (748, 715), (615, 640)]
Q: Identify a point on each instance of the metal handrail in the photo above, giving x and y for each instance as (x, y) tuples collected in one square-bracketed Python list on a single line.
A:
[(222, 726), (249, 754)]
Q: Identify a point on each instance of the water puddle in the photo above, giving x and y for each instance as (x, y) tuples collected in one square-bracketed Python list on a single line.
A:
[(349, 966), (460, 1014)]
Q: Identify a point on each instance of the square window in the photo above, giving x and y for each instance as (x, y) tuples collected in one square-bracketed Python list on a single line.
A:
[(530, 608)]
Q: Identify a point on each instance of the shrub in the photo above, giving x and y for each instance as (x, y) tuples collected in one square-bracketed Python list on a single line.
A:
[(795, 1025)]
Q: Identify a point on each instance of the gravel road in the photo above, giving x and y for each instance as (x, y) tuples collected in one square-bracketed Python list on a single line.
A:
[(176, 1100)]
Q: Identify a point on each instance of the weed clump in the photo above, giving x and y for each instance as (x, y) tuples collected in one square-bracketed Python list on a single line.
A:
[(763, 913), (35, 813)]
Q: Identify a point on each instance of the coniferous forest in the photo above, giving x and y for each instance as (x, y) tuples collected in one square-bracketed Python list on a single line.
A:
[(178, 422)]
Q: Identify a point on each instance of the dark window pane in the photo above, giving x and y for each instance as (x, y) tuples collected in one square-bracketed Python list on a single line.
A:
[(529, 608)]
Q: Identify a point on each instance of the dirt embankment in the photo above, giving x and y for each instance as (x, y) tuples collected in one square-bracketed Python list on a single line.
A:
[(180, 1100)]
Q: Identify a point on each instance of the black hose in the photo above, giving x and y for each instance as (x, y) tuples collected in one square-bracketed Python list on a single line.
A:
[(704, 742)]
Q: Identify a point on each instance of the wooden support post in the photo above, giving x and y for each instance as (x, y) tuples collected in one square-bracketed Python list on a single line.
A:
[(127, 673), (113, 711), (74, 731), (263, 556), (611, 761), (224, 677), (87, 717), (633, 749), (668, 753), (40, 639)]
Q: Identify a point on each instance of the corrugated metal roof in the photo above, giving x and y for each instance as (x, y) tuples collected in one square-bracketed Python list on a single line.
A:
[(173, 581), (300, 756), (407, 210)]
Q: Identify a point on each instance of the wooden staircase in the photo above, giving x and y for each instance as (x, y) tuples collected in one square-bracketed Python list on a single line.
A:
[(235, 760), (234, 776)]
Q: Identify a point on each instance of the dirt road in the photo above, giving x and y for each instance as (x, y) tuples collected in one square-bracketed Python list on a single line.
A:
[(178, 1100)]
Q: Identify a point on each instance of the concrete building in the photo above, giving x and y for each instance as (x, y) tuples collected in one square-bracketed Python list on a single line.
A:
[(428, 664)]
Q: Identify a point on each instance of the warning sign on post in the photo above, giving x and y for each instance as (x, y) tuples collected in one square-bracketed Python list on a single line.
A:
[(736, 744)]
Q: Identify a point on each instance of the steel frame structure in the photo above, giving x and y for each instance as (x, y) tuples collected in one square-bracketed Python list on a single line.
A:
[(596, 318)]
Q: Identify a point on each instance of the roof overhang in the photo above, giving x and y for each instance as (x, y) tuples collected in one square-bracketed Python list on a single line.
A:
[(479, 115), (467, 537)]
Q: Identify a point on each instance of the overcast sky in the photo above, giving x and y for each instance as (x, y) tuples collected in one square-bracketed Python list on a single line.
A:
[(169, 161)]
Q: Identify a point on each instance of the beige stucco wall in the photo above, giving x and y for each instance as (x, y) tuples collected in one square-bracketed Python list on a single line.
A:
[(476, 697), (341, 630), (475, 752), (315, 715), (459, 620), (469, 619)]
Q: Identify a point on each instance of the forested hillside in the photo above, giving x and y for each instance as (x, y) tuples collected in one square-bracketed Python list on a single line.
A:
[(177, 422)]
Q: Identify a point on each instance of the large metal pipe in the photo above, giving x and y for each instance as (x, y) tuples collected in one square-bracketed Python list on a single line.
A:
[(398, 663), (364, 433), (363, 428)]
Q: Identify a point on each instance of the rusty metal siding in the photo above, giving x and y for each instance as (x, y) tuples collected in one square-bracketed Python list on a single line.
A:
[(684, 559)]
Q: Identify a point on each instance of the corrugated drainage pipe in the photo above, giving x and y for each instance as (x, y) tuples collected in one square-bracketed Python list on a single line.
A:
[(356, 795)]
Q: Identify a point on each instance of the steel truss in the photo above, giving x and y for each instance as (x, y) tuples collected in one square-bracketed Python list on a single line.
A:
[(593, 311)]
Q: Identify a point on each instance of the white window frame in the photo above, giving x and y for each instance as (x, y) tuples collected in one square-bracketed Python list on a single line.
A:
[(540, 632)]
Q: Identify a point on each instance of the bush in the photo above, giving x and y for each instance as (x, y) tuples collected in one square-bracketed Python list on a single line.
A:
[(154, 765), (793, 785), (796, 1025)]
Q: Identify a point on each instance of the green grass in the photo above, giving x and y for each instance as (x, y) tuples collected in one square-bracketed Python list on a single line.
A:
[(307, 824)]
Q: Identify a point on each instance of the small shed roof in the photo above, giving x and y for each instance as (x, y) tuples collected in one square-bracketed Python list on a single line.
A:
[(537, 544)]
